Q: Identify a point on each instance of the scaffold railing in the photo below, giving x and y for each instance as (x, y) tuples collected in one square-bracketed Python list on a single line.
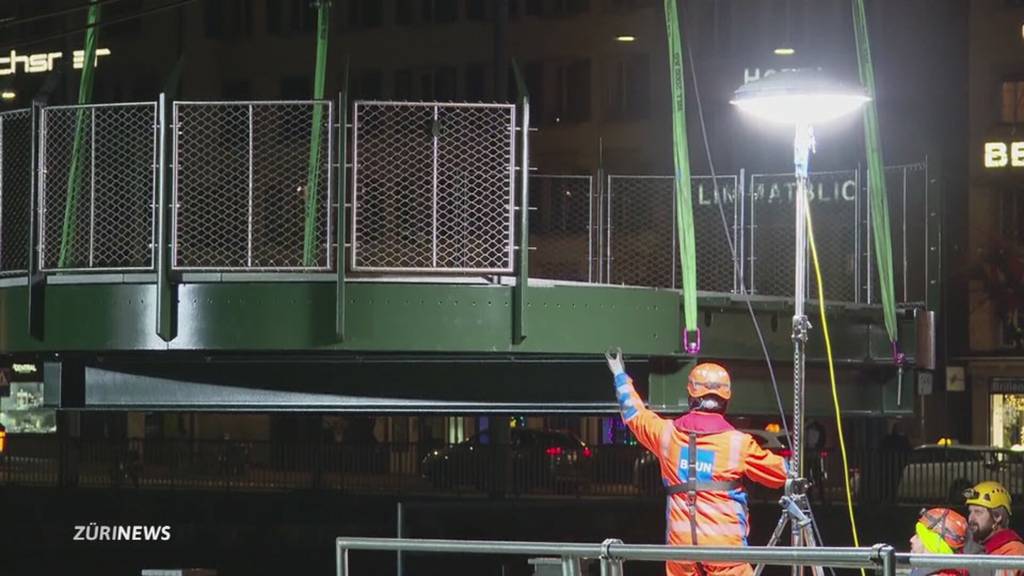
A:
[(612, 553)]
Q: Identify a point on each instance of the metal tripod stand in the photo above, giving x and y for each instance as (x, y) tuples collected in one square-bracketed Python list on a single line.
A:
[(796, 508)]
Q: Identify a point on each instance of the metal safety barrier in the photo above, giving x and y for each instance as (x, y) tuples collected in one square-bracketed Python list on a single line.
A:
[(961, 561), (97, 187), (636, 233), (640, 236), (251, 191), (836, 203), (612, 553), (15, 189), (564, 214), (433, 187)]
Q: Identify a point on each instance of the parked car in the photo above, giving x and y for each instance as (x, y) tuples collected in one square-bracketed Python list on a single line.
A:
[(940, 473), (540, 459), (647, 473)]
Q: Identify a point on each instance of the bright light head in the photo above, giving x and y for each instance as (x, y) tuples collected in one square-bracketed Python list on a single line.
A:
[(798, 97)]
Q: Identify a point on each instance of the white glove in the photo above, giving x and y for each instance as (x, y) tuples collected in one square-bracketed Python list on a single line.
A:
[(615, 363)]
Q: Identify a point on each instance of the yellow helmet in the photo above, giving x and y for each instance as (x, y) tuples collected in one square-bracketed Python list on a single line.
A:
[(989, 495)]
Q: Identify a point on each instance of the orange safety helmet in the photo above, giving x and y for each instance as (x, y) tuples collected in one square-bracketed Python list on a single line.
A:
[(951, 526), (709, 378)]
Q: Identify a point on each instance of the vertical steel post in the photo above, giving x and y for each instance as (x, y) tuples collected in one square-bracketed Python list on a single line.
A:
[(339, 292), (249, 245), (165, 300)]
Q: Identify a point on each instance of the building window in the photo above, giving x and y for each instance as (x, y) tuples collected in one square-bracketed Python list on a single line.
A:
[(228, 18), (273, 10), (426, 85), (1011, 214), (445, 83), (368, 85), (296, 88), (533, 75), (627, 5), (1013, 101), (213, 13), (130, 27), (303, 17), (403, 85), (439, 11), (477, 9), (446, 11), (476, 82), (556, 8), (364, 13), (572, 102), (629, 89), (44, 25), (237, 90), (403, 13), (1008, 421), (240, 18)]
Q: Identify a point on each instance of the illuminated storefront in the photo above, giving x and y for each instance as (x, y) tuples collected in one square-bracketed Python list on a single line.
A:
[(1007, 409)]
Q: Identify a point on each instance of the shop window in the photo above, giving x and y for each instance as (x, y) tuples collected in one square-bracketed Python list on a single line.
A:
[(1008, 421), (1013, 101), (629, 90)]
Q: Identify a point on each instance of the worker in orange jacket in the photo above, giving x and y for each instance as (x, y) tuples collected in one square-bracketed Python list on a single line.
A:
[(988, 519), (703, 460), (938, 531)]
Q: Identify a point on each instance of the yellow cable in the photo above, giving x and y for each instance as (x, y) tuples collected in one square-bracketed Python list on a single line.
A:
[(832, 378)]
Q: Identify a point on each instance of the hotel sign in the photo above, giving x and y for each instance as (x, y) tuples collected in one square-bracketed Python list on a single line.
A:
[(13, 63)]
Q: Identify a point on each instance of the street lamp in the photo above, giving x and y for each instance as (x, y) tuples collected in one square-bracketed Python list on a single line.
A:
[(800, 98)]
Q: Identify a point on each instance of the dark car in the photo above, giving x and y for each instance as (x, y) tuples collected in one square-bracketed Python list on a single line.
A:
[(647, 473), (540, 460)]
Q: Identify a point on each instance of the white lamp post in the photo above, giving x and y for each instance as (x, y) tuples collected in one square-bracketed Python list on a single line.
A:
[(801, 98)]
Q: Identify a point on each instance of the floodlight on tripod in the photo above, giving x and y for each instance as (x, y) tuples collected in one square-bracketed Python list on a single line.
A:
[(801, 98)]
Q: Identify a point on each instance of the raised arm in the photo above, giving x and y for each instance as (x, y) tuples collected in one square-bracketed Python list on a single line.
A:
[(645, 424)]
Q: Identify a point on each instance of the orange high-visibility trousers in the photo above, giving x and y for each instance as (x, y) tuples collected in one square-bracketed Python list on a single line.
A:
[(685, 569)]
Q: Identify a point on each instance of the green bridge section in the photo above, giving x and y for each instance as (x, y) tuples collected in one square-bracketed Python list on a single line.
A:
[(267, 345), (211, 280)]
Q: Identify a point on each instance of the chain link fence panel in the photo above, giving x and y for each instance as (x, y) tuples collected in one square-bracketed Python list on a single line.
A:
[(433, 187), (15, 190), (245, 195), (642, 247), (97, 187), (907, 189), (833, 201), (640, 231), (716, 269), (563, 231)]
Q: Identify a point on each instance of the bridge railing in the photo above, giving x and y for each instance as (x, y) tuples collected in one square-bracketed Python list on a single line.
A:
[(432, 188)]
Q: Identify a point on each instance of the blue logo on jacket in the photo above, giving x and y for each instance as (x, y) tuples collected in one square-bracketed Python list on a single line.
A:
[(705, 463)]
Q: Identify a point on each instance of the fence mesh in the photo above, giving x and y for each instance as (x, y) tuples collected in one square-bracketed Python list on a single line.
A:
[(833, 202), (98, 187), (242, 185), (907, 189), (562, 228), (641, 231), (433, 187), (642, 247), (15, 190), (715, 265)]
